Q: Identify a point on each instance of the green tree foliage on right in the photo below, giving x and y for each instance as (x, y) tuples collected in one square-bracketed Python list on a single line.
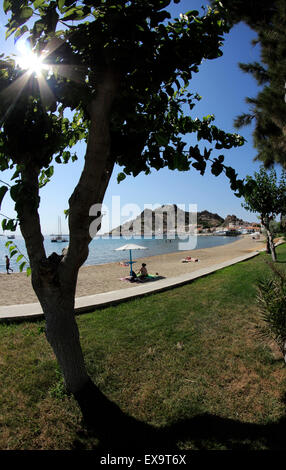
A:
[(263, 194), (271, 302), (268, 108)]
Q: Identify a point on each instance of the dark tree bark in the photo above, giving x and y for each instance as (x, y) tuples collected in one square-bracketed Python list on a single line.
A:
[(270, 246), (54, 278)]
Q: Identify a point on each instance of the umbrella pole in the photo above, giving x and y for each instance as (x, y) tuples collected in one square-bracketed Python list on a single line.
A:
[(130, 263)]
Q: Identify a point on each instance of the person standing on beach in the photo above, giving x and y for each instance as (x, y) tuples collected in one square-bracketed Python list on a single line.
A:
[(8, 265)]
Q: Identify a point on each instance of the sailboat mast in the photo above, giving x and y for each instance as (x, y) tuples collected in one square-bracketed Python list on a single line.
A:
[(59, 227)]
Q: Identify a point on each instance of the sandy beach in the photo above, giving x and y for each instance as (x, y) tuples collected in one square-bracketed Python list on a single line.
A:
[(16, 288)]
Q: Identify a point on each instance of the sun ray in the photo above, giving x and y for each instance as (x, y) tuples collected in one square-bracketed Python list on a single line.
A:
[(32, 63), (11, 94), (76, 73), (47, 96), (28, 59), (37, 66)]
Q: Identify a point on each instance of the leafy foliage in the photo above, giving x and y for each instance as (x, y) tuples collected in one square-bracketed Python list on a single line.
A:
[(271, 301), (263, 194), (135, 41), (268, 108), (147, 122), (14, 250)]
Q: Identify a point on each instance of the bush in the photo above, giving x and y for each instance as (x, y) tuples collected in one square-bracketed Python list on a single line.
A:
[(271, 300)]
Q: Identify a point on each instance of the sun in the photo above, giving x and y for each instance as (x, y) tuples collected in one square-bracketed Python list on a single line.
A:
[(29, 61), (32, 63)]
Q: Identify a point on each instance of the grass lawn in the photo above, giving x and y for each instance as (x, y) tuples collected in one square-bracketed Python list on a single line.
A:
[(188, 361)]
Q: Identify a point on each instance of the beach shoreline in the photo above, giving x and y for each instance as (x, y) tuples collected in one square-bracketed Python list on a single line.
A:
[(16, 288)]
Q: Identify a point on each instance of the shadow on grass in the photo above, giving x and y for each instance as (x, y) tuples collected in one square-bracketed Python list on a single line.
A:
[(117, 431)]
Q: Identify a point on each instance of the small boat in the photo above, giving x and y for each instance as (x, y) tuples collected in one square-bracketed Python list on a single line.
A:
[(232, 233), (11, 237), (58, 237)]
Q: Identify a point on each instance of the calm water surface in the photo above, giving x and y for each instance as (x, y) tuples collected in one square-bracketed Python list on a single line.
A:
[(102, 250)]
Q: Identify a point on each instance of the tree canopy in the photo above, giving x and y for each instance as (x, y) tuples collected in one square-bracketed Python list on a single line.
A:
[(123, 69), (266, 196), (147, 122), (268, 108)]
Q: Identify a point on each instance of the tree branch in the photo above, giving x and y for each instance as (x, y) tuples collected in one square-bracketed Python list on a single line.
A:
[(97, 170), (28, 215)]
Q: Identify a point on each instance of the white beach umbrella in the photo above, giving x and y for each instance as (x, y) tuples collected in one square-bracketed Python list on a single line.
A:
[(130, 247)]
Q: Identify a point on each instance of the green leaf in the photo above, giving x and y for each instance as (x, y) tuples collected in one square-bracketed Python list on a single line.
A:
[(3, 191), (22, 265), (28, 271), (162, 139), (20, 32), (200, 166), (12, 253), (76, 14), (10, 31), (207, 153), (14, 192), (6, 5), (19, 258), (39, 26), (26, 13), (230, 173), (219, 146), (120, 177), (38, 3), (49, 172), (216, 168), (61, 4)]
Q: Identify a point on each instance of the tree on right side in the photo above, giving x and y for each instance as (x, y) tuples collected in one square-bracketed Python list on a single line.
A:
[(267, 110), (266, 196)]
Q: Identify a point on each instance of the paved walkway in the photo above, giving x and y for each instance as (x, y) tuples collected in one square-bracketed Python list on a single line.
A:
[(91, 302)]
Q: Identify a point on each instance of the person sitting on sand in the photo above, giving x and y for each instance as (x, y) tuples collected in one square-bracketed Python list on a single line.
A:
[(143, 272), (8, 265)]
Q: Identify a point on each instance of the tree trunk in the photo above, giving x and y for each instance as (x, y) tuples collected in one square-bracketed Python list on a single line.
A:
[(271, 244), (63, 336), (268, 251), (54, 278), (283, 221)]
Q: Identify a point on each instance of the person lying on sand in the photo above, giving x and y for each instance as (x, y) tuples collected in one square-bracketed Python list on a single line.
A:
[(189, 259)]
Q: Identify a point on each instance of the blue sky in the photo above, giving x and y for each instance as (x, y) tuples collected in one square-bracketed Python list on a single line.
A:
[(223, 87)]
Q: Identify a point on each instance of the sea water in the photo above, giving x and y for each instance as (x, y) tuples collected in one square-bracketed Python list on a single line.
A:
[(102, 249)]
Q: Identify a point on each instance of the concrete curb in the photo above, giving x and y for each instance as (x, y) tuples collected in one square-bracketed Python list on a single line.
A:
[(20, 312)]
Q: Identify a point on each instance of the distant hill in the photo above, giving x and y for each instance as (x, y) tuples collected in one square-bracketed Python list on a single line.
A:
[(208, 219), (169, 218), (232, 219)]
